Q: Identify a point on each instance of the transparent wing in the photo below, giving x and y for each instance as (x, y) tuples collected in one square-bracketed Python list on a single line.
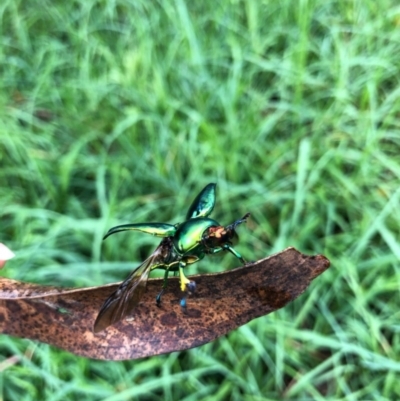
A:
[(128, 294)]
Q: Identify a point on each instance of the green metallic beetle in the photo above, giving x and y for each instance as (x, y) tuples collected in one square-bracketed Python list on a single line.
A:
[(182, 245)]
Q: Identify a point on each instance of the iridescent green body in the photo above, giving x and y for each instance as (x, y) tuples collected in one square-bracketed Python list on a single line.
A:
[(182, 244), (189, 234)]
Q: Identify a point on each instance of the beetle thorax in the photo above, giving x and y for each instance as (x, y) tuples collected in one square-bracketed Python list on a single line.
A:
[(189, 235)]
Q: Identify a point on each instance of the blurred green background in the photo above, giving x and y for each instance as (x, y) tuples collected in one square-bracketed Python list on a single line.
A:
[(118, 111)]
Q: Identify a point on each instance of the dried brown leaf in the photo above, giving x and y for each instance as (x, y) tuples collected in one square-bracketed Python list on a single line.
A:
[(222, 302)]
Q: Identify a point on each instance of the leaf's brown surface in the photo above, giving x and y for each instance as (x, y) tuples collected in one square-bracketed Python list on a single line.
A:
[(222, 302)]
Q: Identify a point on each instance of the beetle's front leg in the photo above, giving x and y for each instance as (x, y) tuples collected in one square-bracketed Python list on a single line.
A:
[(233, 252), (187, 286), (227, 248)]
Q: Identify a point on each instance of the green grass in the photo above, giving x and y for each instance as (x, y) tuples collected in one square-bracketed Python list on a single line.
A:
[(121, 111)]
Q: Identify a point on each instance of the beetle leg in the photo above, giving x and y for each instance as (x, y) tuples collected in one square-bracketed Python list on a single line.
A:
[(230, 249), (164, 287), (191, 287), (187, 286), (215, 250), (233, 252), (184, 280), (165, 281)]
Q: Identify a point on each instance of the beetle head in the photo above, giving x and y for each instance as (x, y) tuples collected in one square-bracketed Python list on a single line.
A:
[(219, 235)]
